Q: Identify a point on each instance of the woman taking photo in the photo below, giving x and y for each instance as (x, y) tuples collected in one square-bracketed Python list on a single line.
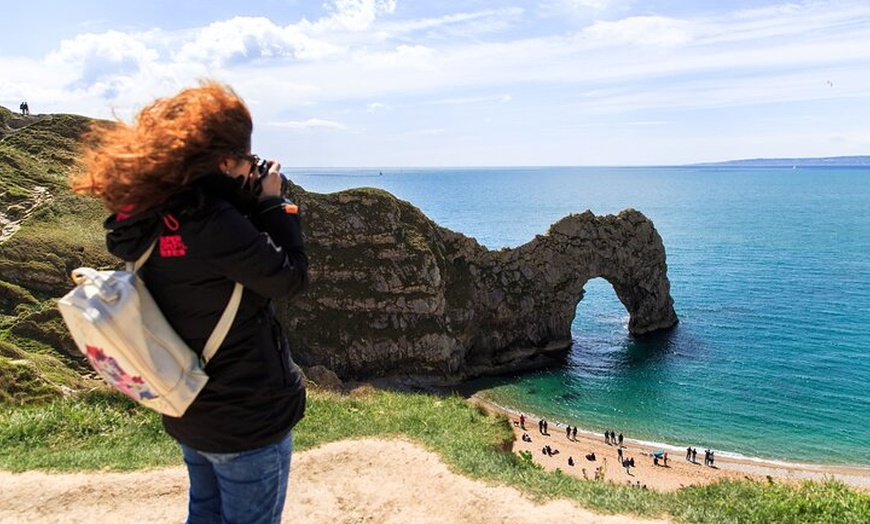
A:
[(183, 174)]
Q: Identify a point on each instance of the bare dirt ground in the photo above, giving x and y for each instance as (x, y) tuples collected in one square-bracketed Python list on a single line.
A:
[(356, 481)]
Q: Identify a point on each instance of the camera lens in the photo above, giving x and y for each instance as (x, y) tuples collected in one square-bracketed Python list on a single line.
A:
[(262, 168)]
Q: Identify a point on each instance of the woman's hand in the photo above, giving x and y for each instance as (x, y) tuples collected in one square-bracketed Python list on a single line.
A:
[(271, 183)]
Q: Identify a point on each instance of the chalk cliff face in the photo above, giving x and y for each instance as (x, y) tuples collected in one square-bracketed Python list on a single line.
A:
[(394, 295)]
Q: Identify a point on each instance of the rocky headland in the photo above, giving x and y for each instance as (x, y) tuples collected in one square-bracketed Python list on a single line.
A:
[(395, 295)]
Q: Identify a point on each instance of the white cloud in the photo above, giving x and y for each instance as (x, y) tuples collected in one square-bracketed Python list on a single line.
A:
[(502, 99), (641, 30), (104, 56), (354, 15), (415, 57), (597, 5), (245, 39), (429, 132), (376, 106), (308, 124)]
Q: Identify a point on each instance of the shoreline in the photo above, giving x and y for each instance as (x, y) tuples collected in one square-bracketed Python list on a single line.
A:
[(679, 472)]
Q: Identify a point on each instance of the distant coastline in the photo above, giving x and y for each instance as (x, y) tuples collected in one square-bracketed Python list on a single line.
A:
[(840, 161)]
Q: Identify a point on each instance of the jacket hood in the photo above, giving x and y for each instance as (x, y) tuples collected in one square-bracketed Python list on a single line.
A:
[(130, 235)]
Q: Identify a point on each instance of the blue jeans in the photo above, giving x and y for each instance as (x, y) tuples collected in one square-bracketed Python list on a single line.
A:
[(238, 488)]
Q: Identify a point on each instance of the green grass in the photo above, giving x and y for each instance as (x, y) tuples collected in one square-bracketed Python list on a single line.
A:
[(101, 431)]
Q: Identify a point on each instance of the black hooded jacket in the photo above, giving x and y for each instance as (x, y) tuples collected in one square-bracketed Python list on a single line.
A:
[(208, 238)]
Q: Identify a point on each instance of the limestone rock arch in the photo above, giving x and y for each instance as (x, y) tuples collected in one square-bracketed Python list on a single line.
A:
[(394, 295)]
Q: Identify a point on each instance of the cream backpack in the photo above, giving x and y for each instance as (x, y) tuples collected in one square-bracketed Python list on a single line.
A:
[(116, 324)]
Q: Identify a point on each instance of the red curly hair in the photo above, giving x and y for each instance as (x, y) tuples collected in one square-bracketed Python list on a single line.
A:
[(173, 142)]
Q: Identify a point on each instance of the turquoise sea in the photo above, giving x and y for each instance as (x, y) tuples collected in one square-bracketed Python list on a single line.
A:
[(770, 275)]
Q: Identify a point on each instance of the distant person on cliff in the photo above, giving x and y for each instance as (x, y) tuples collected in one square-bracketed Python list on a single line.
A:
[(183, 176)]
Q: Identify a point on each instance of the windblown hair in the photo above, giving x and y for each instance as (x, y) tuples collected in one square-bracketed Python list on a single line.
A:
[(173, 142)]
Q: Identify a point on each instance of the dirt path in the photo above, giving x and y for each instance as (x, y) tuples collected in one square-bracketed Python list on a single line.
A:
[(371, 481), (12, 217)]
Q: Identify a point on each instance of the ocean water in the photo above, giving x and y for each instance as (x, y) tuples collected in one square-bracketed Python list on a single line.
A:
[(770, 275)]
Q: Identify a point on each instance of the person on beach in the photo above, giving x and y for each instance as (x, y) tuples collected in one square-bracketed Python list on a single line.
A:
[(607, 437), (183, 176), (689, 453), (620, 439), (694, 454), (568, 432), (522, 422), (574, 433)]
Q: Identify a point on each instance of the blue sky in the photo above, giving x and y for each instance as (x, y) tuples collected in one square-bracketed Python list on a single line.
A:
[(384, 83)]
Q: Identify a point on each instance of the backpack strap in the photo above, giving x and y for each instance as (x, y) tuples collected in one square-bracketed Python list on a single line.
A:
[(223, 326), (133, 267)]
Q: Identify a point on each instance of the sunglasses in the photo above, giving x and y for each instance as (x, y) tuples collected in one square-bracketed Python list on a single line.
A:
[(253, 159)]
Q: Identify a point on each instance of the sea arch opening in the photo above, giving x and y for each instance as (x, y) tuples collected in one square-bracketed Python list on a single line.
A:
[(601, 319), (600, 305)]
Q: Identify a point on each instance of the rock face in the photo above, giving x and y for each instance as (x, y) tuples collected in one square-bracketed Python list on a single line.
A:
[(393, 295)]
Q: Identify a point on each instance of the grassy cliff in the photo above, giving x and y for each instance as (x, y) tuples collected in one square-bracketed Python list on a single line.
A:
[(46, 232)]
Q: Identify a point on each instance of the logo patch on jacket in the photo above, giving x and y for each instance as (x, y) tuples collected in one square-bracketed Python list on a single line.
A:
[(172, 246)]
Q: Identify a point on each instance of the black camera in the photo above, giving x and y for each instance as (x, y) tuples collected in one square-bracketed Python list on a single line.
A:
[(262, 170), (262, 167)]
